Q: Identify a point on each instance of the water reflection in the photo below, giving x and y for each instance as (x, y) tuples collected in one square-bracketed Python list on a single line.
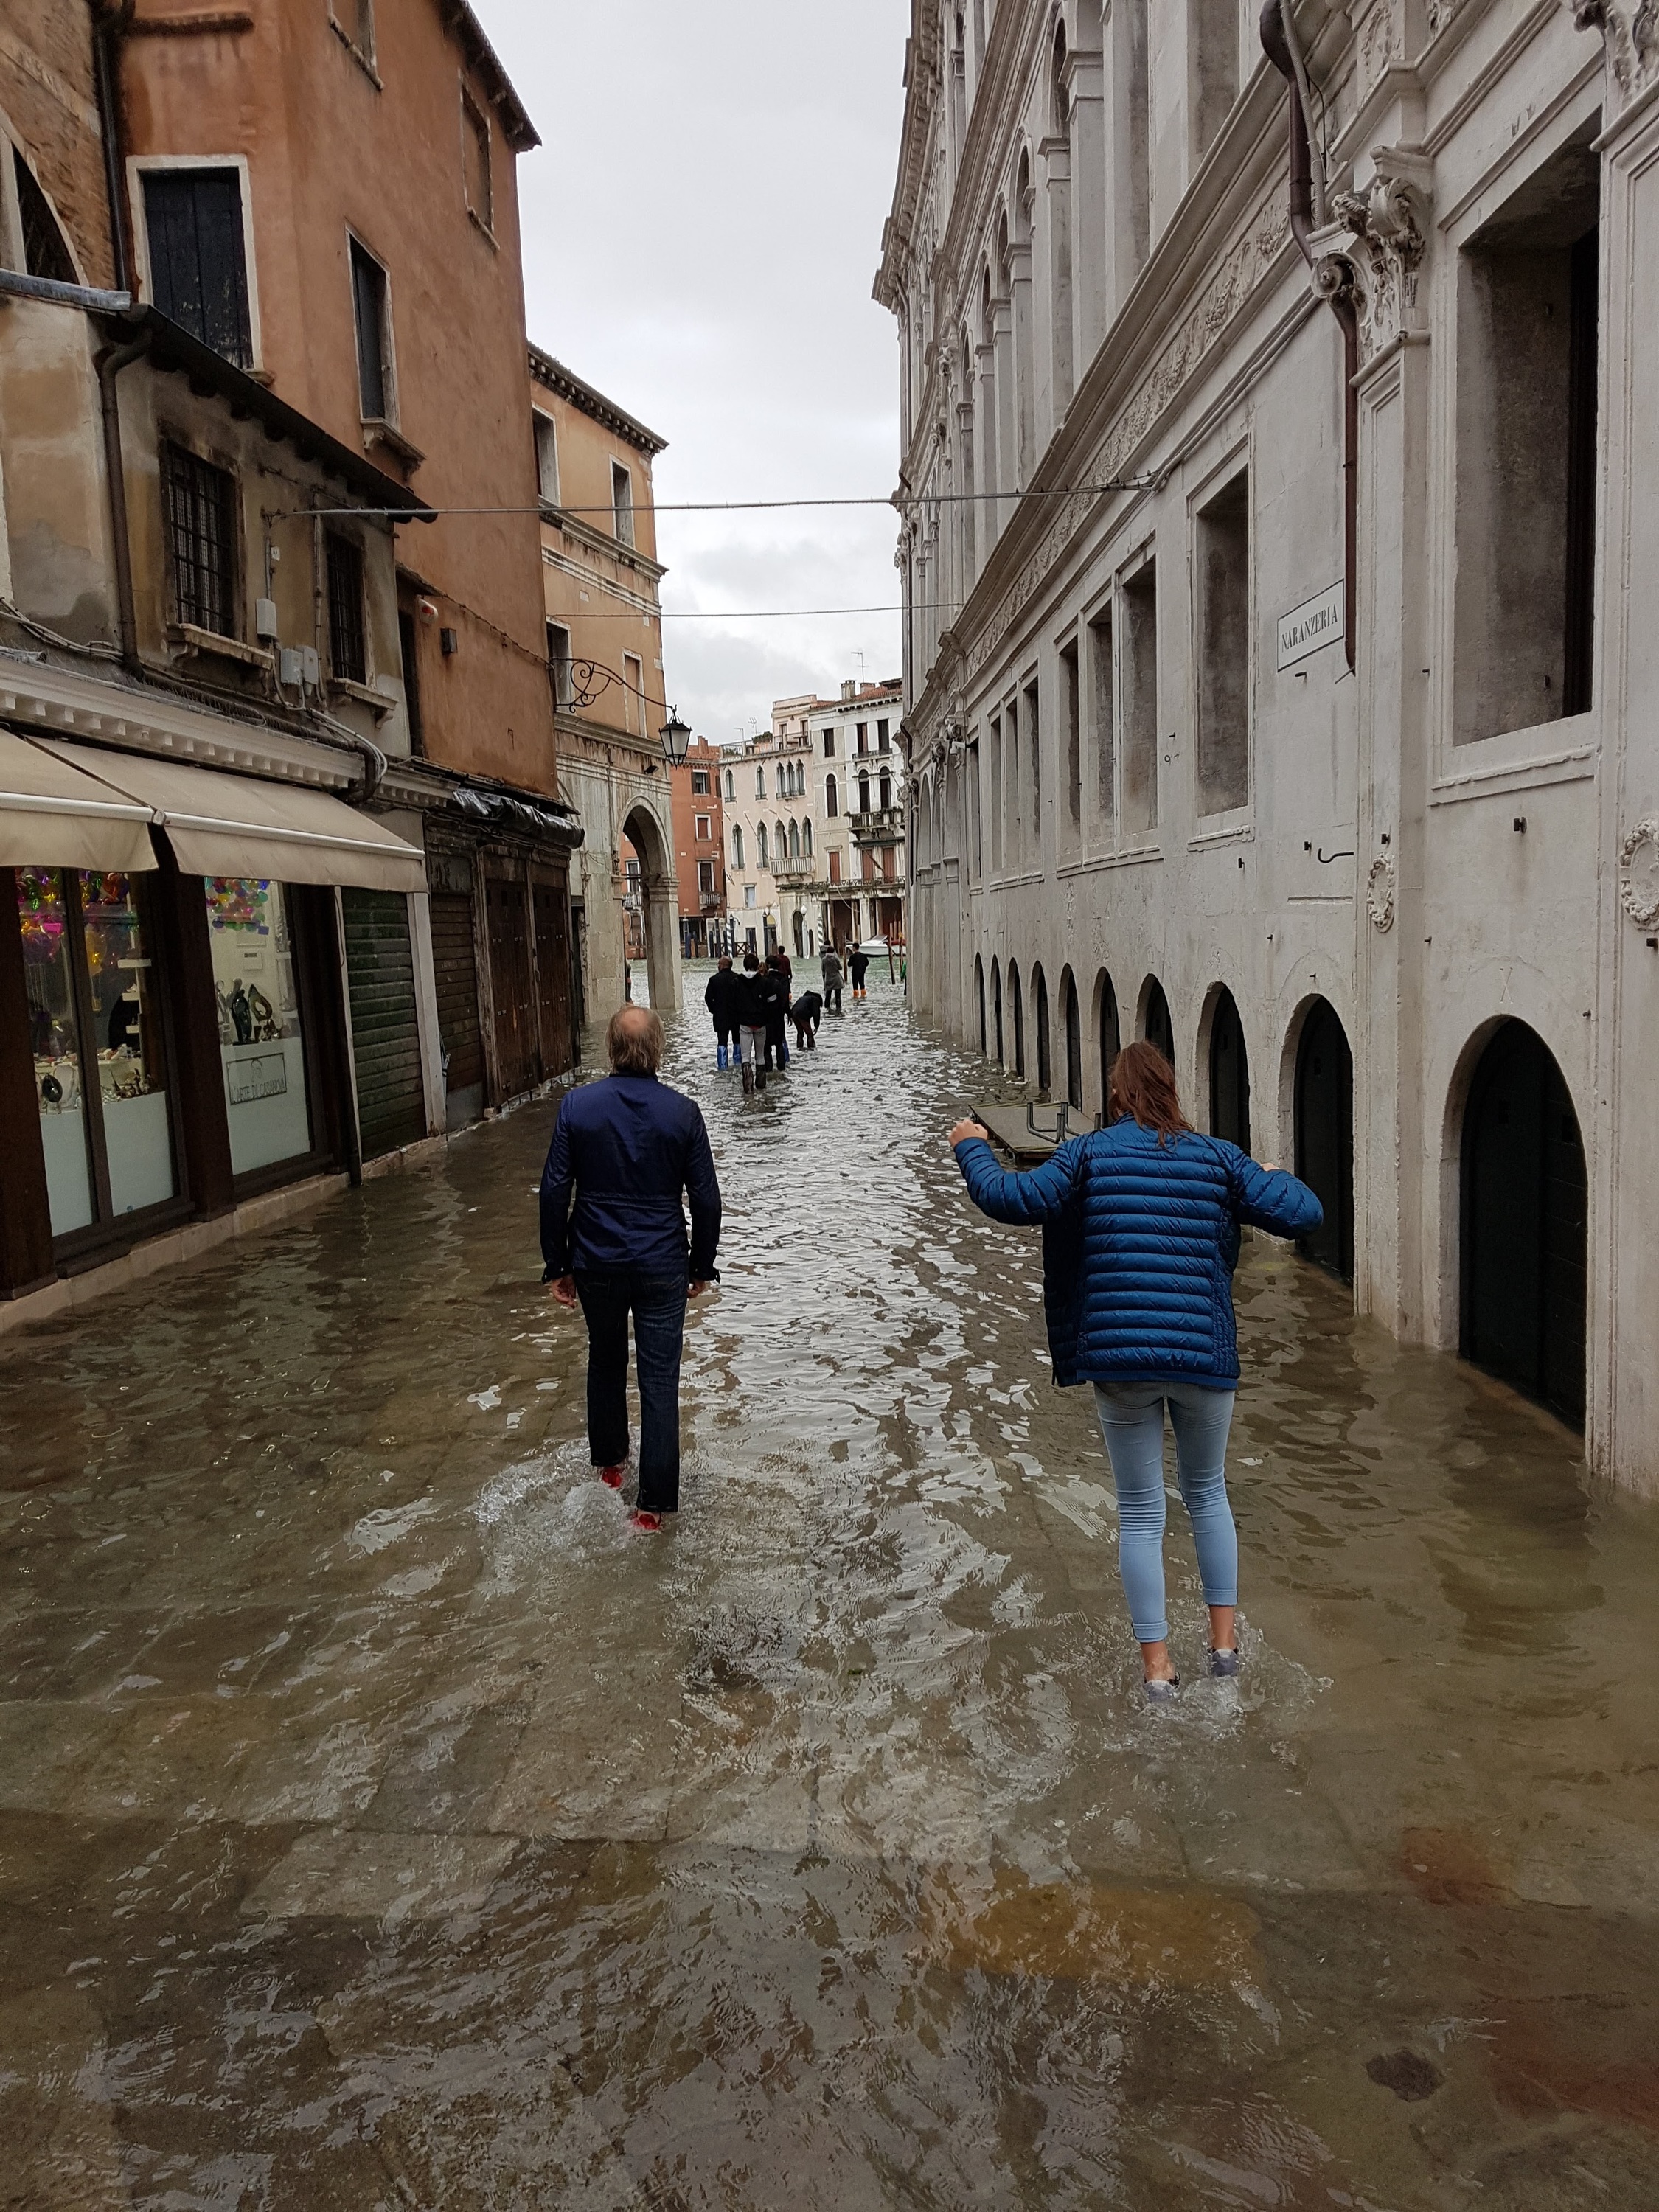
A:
[(379, 1823)]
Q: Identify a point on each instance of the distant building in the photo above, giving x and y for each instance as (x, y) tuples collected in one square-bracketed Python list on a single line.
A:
[(699, 850), (604, 632), (816, 825)]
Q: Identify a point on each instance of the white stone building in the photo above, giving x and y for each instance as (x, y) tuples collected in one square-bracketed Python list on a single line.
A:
[(1271, 551), (815, 821)]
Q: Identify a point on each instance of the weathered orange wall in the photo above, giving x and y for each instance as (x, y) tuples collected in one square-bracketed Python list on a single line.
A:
[(51, 103), (327, 149)]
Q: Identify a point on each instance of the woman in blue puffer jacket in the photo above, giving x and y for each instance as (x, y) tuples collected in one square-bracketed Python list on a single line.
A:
[(1140, 1225)]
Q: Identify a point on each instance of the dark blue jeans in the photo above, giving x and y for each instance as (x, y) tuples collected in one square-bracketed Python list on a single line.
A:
[(658, 1305)]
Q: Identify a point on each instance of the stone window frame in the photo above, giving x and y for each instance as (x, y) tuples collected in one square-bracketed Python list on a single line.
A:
[(140, 164), (1236, 459)]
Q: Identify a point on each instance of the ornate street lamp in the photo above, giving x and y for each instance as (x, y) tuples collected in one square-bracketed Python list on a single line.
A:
[(676, 738)]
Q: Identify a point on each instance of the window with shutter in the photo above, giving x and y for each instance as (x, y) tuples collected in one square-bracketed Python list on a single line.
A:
[(200, 523), (198, 256), (348, 651)]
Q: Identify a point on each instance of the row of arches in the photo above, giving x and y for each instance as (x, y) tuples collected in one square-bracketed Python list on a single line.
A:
[(1522, 1184), (788, 842)]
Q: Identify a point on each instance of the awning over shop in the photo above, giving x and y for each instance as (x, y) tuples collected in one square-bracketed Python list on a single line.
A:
[(52, 815), (222, 824)]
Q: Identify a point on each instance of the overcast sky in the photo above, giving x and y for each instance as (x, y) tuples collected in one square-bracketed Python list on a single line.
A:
[(701, 225)]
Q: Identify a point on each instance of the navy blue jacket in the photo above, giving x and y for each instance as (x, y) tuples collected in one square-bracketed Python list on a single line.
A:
[(629, 1146), (1139, 1244)]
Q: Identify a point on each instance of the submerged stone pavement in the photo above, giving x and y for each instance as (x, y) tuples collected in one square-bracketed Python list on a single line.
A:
[(381, 1824)]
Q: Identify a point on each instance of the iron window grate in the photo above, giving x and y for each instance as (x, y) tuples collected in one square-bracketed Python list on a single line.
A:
[(347, 648), (201, 540)]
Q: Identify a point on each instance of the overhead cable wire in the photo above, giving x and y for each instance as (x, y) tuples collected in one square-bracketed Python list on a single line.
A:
[(551, 510)]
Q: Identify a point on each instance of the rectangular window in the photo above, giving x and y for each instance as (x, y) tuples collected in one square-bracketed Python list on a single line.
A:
[(260, 1039), (835, 864), (348, 646), (994, 796), (975, 856), (884, 744), (475, 160), (1071, 708), (547, 457), (1140, 650), (749, 894), (1528, 314), (1102, 697), (200, 516), (706, 879), (700, 782), (622, 503), (862, 733), (1033, 750), (1223, 576), (371, 309), (408, 652), (634, 702), (830, 744), (558, 664), (701, 830), (1012, 797), (198, 257)]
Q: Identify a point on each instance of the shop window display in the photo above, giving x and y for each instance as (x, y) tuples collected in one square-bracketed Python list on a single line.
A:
[(260, 1040), (93, 1006), (43, 914)]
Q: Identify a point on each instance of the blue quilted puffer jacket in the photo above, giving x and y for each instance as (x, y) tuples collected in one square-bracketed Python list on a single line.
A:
[(1139, 1241)]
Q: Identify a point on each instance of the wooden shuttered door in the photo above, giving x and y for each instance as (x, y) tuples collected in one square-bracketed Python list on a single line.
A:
[(550, 907), (455, 967), (385, 1033), (511, 988)]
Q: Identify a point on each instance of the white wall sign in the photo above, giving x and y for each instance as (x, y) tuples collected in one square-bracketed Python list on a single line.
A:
[(1315, 622)]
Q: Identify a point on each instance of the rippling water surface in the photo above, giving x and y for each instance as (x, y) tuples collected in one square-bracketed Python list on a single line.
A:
[(382, 1824)]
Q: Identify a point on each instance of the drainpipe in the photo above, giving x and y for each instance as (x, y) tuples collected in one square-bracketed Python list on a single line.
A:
[(109, 26), (110, 365), (1309, 213)]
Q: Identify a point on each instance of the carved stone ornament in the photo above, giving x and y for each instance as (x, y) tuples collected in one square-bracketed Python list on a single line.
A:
[(1630, 35), (1638, 873), (1379, 893), (1381, 234)]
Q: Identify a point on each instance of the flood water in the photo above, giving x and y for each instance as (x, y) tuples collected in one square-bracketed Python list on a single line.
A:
[(383, 1825)]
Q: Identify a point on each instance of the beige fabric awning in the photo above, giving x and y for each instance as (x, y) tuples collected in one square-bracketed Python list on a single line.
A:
[(222, 824), (52, 815)]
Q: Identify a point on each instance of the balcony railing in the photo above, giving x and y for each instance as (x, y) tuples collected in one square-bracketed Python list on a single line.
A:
[(793, 871), (881, 825), (710, 902)]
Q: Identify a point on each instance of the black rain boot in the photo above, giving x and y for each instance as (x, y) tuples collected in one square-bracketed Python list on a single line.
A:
[(748, 1081)]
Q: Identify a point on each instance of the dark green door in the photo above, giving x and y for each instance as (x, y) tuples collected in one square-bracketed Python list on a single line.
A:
[(385, 1040)]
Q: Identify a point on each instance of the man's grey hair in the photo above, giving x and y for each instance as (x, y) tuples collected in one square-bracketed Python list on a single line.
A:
[(635, 1042)]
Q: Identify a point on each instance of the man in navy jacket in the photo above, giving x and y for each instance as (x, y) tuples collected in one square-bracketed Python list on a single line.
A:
[(627, 1148)]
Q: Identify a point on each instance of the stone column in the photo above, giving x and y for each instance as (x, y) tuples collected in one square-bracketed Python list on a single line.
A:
[(1089, 234), (1059, 307), (1007, 475)]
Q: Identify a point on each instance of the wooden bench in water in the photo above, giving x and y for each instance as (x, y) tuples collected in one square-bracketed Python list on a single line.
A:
[(1030, 1132)]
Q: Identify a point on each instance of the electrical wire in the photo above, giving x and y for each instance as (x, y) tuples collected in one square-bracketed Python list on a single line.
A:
[(745, 506)]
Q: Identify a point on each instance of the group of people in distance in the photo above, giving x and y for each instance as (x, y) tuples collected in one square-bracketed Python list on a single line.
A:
[(752, 1008)]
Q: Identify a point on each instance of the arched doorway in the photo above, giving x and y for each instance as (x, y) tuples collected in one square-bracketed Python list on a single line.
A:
[(1044, 1054), (979, 993), (1525, 1224), (1324, 1135), (652, 884), (1072, 1019), (1110, 1038), (1230, 1073), (996, 1008), (1155, 1025), (1016, 1008)]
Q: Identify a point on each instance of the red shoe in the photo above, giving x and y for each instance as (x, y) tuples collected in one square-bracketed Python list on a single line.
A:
[(651, 1522), (612, 1477)]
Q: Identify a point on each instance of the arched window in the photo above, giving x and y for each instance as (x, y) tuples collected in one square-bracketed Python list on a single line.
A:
[(736, 841), (831, 797), (794, 840), (760, 783), (806, 838), (864, 794), (730, 786), (886, 791), (760, 843), (996, 1007), (781, 842)]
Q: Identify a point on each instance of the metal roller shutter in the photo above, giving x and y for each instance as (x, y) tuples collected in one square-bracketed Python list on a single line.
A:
[(385, 1033), (455, 963)]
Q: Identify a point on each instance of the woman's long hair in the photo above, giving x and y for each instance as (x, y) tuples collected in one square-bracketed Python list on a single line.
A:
[(1143, 1085)]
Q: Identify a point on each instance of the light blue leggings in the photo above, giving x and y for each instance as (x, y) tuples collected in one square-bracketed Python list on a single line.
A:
[(1132, 1424)]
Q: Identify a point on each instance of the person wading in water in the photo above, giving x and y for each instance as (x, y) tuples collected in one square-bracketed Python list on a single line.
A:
[(1140, 1225)]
